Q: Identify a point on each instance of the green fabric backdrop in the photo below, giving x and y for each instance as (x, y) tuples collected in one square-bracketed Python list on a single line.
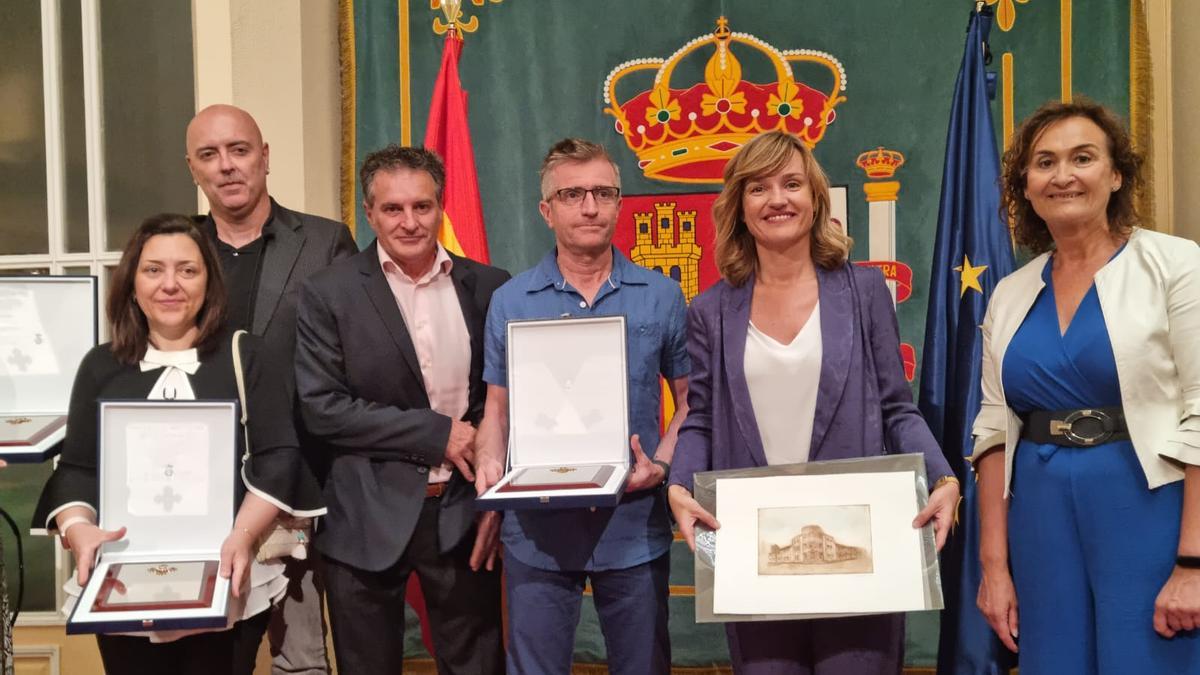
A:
[(535, 71)]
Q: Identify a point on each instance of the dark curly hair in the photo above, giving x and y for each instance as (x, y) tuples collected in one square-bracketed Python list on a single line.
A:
[(1030, 230)]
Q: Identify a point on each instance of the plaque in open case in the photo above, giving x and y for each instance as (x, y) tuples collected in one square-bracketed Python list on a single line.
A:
[(167, 472), (568, 429), (47, 326)]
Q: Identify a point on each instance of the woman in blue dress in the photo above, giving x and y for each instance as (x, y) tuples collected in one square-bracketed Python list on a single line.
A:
[(1088, 440)]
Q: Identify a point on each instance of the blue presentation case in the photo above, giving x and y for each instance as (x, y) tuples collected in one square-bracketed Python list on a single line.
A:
[(167, 474), (568, 411)]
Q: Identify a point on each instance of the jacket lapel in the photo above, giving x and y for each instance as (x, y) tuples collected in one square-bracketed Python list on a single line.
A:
[(735, 321), (1023, 286), (838, 342), (279, 257), (380, 296), (463, 278)]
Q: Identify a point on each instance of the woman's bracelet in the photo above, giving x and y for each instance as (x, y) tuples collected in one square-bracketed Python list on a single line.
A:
[(1190, 562), (944, 480), (68, 524)]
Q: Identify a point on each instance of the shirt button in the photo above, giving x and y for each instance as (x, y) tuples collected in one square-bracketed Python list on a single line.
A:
[(583, 303), (235, 254), (592, 509)]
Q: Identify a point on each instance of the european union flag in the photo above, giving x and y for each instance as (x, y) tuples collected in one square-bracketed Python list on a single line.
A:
[(972, 253)]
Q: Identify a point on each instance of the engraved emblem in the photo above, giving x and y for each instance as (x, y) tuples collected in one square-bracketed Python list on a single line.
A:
[(563, 469), (19, 420), (161, 570)]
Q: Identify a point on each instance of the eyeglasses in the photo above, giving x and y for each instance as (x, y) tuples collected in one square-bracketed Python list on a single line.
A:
[(573, 196)]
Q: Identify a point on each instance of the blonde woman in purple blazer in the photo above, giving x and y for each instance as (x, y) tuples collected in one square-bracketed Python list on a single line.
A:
[(796, 357)]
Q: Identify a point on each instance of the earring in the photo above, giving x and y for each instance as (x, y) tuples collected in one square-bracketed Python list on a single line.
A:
[(1116, 187)]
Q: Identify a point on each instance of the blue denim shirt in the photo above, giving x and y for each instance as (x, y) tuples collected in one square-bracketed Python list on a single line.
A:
[(638, 530)]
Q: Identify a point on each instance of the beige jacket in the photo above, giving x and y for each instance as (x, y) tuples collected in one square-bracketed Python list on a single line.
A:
[(1150, 297)]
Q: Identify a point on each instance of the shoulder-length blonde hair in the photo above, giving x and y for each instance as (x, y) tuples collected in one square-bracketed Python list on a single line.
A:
[(765, 155)]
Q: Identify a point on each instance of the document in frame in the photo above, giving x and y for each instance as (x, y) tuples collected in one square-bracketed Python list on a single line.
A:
[(25, 347), (167, 468), (818, 544)]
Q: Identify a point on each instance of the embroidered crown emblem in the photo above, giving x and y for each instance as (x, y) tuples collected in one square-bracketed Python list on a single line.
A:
[(687, 134), (880, 162)]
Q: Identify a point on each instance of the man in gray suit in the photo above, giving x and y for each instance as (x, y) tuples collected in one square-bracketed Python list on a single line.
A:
[(389, 365), (266, 252)]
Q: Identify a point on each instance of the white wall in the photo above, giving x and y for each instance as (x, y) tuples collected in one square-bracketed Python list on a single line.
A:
[(1184, 141), (278, 59)]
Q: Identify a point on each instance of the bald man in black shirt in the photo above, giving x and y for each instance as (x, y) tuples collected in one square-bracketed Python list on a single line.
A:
[(266, 251)]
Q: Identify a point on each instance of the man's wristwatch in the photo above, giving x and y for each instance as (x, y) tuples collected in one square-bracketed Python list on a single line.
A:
[(665, 467)]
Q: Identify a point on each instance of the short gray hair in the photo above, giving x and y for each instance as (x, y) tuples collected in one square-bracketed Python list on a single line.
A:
[(574, 150)]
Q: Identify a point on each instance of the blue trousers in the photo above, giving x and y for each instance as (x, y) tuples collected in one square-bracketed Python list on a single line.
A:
[(1090, 549), (543, 613)]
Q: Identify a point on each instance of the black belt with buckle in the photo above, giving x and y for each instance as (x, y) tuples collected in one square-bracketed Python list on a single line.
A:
[(1080, 428)]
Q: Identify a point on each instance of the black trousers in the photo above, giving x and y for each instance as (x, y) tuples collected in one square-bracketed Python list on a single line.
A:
[(366, 609), (228, 651)]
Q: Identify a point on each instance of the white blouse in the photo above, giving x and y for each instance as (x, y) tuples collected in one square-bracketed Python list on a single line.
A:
[(782, 380)]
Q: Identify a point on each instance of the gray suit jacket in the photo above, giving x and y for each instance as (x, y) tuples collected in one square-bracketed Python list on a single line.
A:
[(300, 245), (361, 391)]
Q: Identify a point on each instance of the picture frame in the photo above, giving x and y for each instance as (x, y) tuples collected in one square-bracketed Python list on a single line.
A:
[(796, 549)]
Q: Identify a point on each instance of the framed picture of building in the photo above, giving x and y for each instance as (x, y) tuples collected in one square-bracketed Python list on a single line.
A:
[(815, 540)]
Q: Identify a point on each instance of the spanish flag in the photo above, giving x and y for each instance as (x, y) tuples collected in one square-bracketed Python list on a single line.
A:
[(449, 135)]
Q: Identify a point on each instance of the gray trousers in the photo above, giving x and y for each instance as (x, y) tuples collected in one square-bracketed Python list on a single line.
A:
[(297, 629)]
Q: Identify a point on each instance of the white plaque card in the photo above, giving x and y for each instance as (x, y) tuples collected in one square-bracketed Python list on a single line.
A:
[(818, 544)]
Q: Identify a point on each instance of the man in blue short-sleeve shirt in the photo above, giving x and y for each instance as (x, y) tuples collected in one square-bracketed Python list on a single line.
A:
[(623, 551)]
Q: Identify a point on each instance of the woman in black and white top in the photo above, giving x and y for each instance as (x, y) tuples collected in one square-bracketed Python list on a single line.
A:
[(166, 306)]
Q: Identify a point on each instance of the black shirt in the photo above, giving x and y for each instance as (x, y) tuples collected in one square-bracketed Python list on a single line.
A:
[(242, 268)]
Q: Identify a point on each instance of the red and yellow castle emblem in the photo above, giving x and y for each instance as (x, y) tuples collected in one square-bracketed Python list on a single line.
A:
[(687, 135)]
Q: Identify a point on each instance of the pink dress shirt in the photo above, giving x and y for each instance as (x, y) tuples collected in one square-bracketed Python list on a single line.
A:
[(435, 322)]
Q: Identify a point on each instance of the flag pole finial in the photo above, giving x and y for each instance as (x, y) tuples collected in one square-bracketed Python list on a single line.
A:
[(454, 22)]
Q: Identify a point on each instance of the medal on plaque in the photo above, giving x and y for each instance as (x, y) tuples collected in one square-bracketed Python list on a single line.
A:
[(28, 430), (148, 587), (559, 478)]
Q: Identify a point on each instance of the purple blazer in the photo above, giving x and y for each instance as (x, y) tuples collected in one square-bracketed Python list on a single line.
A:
[(864, 404)]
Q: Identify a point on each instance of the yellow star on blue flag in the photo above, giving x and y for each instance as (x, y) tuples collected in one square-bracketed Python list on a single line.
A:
[(969, 276)]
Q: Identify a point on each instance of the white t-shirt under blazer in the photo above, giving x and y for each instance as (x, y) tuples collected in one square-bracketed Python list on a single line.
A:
[(782, 380)]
